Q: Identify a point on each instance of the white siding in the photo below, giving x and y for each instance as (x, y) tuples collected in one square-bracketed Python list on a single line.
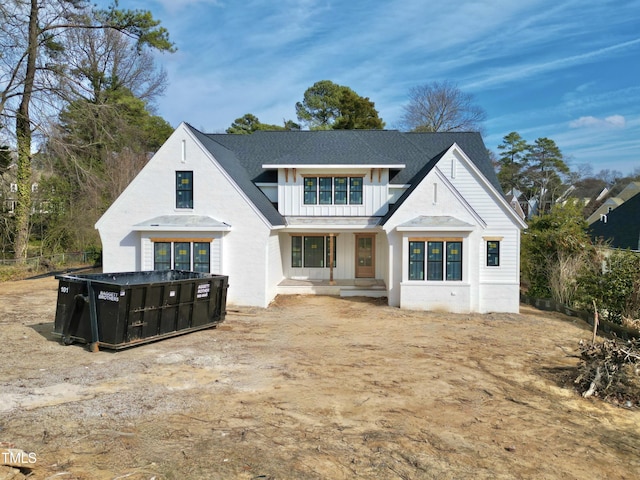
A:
[(291, 194), (152, 193), (461, 193), (274, 266), (345, 257)]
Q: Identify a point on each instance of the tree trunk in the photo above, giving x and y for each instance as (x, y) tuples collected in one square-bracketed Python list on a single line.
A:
[(23, 136)]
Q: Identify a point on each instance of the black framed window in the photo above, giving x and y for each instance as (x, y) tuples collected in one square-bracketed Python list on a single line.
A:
[(333, 190), (162, 256), (340, 188), (314, 254), (312, 251), (193, 256), (184, 189), (454, 260), (310, 190), (355, 190), (296, 252), (182, 256), (440, 260), (493, 253), (202, 257), (325, 189), (434, 260), (416, 260)]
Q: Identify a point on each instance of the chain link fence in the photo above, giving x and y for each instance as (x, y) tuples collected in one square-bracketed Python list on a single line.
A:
[(46, 261)]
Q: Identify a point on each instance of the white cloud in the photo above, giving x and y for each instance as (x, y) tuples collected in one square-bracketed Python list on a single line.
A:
[(613, 121)]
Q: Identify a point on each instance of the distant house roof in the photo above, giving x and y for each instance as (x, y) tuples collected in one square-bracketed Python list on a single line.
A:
[(631, 190), (515, 204), (620, 226), (409, 156)]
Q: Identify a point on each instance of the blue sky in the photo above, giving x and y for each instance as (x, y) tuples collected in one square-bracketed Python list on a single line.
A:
[(568, 70)]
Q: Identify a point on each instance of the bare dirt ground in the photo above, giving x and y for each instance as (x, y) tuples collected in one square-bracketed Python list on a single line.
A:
[(313, 387)]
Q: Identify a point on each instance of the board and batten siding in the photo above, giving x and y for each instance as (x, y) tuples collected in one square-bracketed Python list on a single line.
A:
[(345, 257), (375, 193)]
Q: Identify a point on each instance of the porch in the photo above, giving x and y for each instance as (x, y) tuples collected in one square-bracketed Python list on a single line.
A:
[(357, 287)]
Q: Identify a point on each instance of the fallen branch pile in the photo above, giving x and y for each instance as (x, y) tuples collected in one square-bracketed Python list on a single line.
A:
[(610, 370)]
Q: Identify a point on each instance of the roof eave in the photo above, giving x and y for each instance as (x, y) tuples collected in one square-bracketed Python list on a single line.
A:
[(333, 166), (179, 228)]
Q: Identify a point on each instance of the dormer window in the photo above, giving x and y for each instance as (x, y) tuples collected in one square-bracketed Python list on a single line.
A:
[(333, 190)]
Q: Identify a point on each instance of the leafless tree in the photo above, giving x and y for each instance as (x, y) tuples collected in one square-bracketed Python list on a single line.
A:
[(441, 107)]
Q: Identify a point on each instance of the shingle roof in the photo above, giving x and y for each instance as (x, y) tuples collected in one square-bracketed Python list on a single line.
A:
[(622, 227), (229, 161), (244, 155)]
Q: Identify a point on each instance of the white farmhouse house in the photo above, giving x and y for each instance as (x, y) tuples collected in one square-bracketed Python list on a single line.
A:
[(418, 218)]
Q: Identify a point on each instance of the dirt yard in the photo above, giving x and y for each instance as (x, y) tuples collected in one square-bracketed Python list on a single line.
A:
[(313, 387)]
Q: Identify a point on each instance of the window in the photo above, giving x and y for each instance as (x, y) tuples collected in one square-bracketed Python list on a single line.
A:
[(416, 260), (440, 260), (355, 190), (201, 257), (340, 190), (333, 190), (184, 189), (434, 260), (162, 256), (310, 191), (454, 261), (296, 252), (324, 185), (312, 251), (182, 255), (493, 253)]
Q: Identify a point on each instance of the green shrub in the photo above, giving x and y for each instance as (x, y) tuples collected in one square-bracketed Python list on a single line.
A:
[(616, 291)]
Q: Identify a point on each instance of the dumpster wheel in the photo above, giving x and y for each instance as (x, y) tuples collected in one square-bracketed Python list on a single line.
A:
[(66, 340), (94, 347)]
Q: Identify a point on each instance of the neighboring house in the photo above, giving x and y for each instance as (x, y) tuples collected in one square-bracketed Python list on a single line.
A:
[(9, 192), (416, 217), (620, 227), (611, 203), (528, 206), (585, 193), (515, 204)]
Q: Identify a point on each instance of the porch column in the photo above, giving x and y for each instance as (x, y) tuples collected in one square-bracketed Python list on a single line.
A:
[(331, 241)]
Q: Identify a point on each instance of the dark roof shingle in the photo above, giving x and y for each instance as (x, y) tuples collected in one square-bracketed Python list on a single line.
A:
[(244, 155)]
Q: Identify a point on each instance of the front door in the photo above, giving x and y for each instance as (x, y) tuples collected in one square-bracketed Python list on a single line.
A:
[(365, 255)]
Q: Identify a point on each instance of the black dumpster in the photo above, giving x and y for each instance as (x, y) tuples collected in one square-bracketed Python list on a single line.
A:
[(118, 310)]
